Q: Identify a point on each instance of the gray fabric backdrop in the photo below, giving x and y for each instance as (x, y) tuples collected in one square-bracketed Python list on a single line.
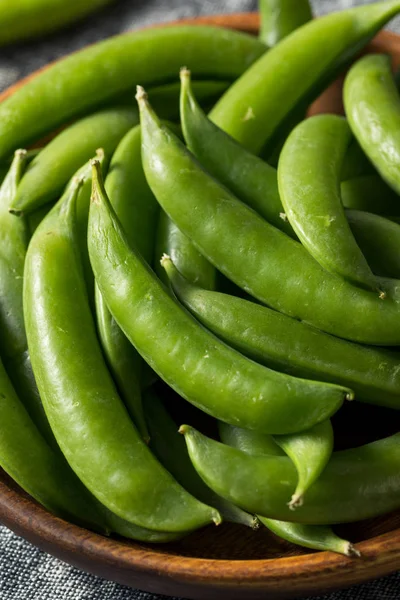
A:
[(25, 572)]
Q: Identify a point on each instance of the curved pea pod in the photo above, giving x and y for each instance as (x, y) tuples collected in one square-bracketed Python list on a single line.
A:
[(357, 484), (170, 449), (263, 261), (203, 370), (308, 178), (78, 394), (372, 105), (288, 345), (253, 108), (14, 239), (310, 452), (279, 18), (318, 537), (78, 83), (371, 194), (171, 241)]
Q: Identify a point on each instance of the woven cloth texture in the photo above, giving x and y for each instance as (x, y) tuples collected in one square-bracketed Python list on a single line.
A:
[(27, 573)]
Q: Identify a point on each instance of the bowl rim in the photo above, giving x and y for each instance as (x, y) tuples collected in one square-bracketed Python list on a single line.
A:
[(134, 563)]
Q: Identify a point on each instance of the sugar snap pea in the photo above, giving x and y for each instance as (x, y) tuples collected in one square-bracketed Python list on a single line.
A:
[(280, 17), (210, 375), (88, 418), (372, 104), (357, 484), (285, 344), (318, 537), (369, 193), (258, 102), (26, 19), (76, 84), (308, 178), (310, 452), (256, 256), (170, 448)]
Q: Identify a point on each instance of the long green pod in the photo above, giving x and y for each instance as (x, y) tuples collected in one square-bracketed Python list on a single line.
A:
[(287, 345), (372, 104), (259, 101), (318, 537), (279, 18), (89, 421), (170, 449), (191, 360), (310, 452), (357, 484), (78, 83), (309, 186), (28, 19), (263, 261), (171, 241)]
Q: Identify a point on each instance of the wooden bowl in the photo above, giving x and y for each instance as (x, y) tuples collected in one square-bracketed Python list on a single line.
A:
[(231, 561)]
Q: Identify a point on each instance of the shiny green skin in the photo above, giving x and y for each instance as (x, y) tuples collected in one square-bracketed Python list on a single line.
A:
[(51, 169), (310, 452), (279, 18), (203, 370), (76, 84), (318, 537), (255, 182), (28, 19), (294, 71), (89, 421), (263, 261), (357, 484), (372, 103), (170, 448), (170, 240), (14, 239), (370, 193), (287, 345), (309, 186), (137, 211)]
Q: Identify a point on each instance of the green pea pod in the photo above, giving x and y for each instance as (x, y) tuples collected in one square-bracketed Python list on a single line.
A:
[(78, 83), (308, 179), (259, 101), (372, 105), (207, 373), (78, 393), (287, 345), (257, 257), (29, 19), (357, 484), (279, 18), (356, 164), (318, 537), (171, 241), (170, 448), (370, 193), (310, 452)]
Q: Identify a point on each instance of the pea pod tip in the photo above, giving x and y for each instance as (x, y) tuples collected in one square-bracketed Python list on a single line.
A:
[(141, 94), (296, 501)]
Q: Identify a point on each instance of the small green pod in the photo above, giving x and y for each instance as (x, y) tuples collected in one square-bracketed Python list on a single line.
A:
[(279, 18), (372, 104), (170, 448), (310, 452), (309, 186), (208, 373), (78, 394), (290, 346), (252, 109), (357, 484), (171, 241)]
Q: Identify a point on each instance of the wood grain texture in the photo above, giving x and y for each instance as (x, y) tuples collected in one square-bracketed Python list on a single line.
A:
[(231, 561)]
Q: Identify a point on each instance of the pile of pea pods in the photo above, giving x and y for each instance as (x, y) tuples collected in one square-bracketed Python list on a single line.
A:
[(213, 240)]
